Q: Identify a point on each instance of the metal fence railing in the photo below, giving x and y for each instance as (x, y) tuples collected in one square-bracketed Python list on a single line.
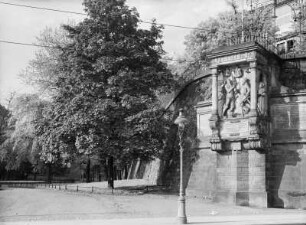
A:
[(262, 39), (293, 54), (79, 188)]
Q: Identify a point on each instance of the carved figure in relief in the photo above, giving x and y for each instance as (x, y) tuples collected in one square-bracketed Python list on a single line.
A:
[(237, 72), (222, 92), (229, 105), (227, 72), (244, 97), (262, 93), (221, 100), (234, 95)]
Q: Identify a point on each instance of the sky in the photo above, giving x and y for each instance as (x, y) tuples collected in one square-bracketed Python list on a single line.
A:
[(20, 24)]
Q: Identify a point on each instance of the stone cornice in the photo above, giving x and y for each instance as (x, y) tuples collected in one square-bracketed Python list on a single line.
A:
[(203, 104), (245, 48), (234, 49), (237, 49)]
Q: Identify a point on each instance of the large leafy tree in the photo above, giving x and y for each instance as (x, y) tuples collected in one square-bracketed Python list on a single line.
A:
[(107, 92)]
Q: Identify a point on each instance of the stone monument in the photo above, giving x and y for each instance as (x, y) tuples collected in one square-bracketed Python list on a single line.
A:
[(240, 121), (252, 132)]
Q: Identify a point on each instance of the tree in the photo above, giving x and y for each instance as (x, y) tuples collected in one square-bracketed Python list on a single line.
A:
[(4, 114), (227, 28), (43, 71), (107, 92), (19, 150)]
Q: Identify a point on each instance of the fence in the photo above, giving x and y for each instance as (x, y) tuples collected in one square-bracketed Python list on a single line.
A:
[(22, 184), (78, 188), (261, 39), (293, 55)]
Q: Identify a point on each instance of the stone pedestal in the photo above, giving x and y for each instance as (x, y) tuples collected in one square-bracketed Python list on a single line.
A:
[(257, 178), (241, 178)]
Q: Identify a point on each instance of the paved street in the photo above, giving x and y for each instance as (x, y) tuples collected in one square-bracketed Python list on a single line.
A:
[(227, 220), (49, 206), (292, 219)]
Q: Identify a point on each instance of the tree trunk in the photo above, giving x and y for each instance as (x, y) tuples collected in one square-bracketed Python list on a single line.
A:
[(49, 178), (115, 173), (88, 170), (106, 171), (126, 172), (110, 177)]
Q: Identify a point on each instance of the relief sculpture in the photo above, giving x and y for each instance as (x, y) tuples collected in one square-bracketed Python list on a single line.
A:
[(262, 98), (229, 105), (244, 97), (234, 96)]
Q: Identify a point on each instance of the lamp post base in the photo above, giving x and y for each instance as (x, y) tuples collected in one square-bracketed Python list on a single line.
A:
[(182, 218)]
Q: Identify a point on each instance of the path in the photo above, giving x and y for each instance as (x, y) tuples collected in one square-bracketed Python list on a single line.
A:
[(49, 206)]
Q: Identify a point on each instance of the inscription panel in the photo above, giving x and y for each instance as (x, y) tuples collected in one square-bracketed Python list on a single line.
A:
[(203, 126), (234, 58), (232, 129)]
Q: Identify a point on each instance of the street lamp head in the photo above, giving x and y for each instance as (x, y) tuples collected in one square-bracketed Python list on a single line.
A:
[(181, 120)]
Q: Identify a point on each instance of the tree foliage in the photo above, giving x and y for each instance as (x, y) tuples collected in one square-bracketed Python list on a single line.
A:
[(4, 114), (19, 149), (106, 99), (227, 28), (43, 71)]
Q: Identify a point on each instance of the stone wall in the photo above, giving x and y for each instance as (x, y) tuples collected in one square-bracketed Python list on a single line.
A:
[(269, 172), (286, 167), (187, 99), (270, 176), (202, 181), (151, 172)]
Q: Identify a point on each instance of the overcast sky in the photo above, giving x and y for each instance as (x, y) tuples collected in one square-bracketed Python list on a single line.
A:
[(21, 24)]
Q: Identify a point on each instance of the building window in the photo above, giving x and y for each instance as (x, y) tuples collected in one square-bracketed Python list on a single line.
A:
[(290, 45), (281, 48)]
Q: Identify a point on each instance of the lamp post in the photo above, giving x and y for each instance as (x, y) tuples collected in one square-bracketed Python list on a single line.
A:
[(181, 121)]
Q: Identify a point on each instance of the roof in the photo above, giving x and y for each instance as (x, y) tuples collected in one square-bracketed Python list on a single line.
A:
[(283, 2)]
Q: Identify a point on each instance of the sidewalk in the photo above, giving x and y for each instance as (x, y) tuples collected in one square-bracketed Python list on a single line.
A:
[(34, 206), (285, 219)]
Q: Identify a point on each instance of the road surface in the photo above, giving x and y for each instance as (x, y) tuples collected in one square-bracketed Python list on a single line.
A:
[(49, 206)]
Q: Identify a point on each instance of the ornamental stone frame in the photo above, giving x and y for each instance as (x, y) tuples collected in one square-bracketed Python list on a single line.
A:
[(240, 97)]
